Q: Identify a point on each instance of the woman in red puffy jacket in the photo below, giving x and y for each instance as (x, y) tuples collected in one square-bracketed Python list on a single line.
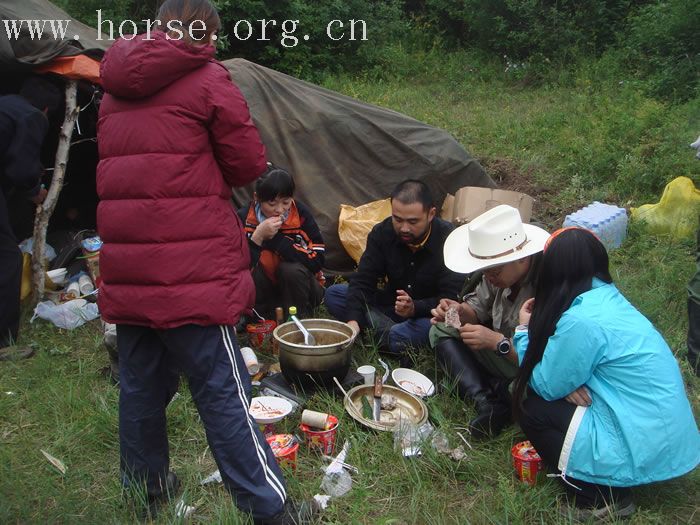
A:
[(174, 135)]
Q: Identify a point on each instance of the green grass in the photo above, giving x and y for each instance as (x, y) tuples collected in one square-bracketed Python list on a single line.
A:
[(590, 137)]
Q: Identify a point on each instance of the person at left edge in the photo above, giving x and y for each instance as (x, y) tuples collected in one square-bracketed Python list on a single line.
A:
[(23, 126)]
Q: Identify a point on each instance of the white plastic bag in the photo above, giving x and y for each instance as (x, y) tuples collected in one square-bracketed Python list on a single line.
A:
[(27, 245), (68, 315)]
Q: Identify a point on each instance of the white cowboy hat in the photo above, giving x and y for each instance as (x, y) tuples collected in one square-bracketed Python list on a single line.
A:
[(497, 236)]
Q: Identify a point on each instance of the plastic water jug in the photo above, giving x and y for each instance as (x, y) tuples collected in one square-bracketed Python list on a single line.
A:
[(607, 221)]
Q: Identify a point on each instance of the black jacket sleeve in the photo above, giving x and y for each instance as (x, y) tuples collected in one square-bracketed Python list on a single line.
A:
[(22, 164), (363, 283)]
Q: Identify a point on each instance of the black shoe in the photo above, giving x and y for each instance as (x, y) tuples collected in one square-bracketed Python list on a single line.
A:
[(492, 407), (492, 417), (157, 498), (293, 514), (15, 352), (614, 511)]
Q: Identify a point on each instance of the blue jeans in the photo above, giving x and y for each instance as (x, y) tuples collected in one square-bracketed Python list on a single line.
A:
[(396, 334)]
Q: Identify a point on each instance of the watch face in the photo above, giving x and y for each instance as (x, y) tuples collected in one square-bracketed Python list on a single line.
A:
[(504, 347)]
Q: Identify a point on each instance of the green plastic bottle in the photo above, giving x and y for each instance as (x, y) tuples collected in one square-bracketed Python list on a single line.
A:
[(292, 312)]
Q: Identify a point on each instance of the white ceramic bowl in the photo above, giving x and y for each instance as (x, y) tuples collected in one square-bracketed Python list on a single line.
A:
[(413, 382), (269, 409)]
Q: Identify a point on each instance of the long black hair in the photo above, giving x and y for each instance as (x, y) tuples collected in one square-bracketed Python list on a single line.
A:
[(571, 259)]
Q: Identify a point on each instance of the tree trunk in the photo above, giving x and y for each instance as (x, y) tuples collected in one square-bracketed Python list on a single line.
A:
[(45, 210)]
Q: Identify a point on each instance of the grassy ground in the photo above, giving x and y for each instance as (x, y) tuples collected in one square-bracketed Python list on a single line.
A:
[(593, 138)]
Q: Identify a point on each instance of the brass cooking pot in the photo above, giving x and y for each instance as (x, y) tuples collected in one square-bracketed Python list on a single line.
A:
[(308, 366)]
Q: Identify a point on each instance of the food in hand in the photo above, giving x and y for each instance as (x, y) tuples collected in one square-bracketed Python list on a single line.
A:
[(452, 317)]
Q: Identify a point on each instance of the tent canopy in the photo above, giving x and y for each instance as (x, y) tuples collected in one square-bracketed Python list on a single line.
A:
[(27, 50), (344, 151), (340, 150)]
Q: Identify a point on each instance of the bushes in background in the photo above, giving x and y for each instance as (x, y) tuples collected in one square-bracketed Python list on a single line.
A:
[(655, 41), (662, 43)]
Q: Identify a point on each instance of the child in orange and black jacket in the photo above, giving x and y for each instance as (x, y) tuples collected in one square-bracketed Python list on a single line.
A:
[(286, 247)]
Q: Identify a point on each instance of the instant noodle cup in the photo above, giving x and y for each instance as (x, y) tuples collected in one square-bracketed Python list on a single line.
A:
[(322, 440), (285, 449), (527, 462), (260, 333)]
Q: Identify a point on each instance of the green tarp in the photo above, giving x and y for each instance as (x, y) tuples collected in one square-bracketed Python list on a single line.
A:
[(344, 151), (25, 50)]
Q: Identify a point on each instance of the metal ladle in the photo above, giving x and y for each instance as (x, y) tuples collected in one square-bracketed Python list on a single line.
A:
[(309, 339)]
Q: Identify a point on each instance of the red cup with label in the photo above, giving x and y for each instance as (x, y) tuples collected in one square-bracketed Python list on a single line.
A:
[(285, 449), (321, 439), (260, 334), (526, 462)]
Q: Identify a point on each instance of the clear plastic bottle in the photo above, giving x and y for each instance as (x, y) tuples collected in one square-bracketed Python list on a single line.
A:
[(336, 484)]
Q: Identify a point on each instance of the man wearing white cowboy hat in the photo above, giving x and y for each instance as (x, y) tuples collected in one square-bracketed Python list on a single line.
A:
[(476, 351)]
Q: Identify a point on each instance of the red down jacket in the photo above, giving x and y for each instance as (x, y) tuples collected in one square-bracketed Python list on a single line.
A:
[(174, 135)]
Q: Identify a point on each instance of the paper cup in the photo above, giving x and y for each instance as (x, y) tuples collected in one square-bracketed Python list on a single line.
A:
[(250, 360), (313, 419), (367, 372)]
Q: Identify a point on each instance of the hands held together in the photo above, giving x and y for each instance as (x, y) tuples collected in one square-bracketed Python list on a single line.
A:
[(404, 305)]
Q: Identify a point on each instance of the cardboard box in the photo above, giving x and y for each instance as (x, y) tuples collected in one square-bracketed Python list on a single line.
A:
[(471, 201)]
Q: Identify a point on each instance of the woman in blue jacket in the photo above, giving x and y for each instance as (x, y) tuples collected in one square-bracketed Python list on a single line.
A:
[(605, 401)]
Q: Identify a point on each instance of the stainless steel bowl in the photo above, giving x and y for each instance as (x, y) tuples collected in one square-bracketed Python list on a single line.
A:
[(309, 366), (407, 407)]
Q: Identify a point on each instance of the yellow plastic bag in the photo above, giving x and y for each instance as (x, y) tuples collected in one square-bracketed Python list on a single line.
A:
[(676, 213), (25, 289), (355, 224)]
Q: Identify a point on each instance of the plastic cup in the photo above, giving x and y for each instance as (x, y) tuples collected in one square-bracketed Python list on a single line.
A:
[(85, 284), (73, 290), (250, 360), (367, 372)]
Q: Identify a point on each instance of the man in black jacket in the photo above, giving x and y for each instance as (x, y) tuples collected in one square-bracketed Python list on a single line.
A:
[(23, 126), (404, 253)]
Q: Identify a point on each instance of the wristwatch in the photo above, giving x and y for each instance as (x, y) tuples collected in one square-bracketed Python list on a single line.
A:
[(503, 346)]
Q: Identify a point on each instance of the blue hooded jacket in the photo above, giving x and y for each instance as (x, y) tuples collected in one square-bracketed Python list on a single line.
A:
[(640, 426)]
